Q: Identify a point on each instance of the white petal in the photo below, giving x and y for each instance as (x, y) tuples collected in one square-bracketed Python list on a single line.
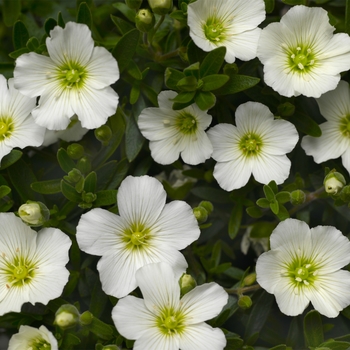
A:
[(132, 318), (164, 99), (141, 199), (202, 336), (346, 159), (203, 302), (155, 340), (166, 151), (198, 148)]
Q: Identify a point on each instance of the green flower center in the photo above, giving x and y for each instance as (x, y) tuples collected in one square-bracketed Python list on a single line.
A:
[(72, 75), (170, 321), (300, 59), (137, 237), (250, 144), (39, 344), (6, 127), (214, 30), (302, 272), (186, 123), (345, 126)]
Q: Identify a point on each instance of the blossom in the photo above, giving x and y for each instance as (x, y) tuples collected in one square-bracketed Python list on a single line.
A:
[(257, 145), (164, 321), (33, 338), (303, 265), (32, 265), (301, 55), (75, 79), (17, 126), (173, 132), (147, 230), (335, 139), (229, 23)]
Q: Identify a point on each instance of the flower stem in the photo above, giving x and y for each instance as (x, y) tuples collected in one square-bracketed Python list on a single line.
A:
[(242, 290)]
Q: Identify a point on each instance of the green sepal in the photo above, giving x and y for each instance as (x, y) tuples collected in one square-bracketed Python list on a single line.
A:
[(214, 81), (205, 100), (84, 14), (20, 35), (47, 187)]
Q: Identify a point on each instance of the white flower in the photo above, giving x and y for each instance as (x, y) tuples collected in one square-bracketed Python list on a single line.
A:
[(229, 23), (304, 265), (147, 230), (17, 126), (335, 139), (301, 55), (173, 132), (257, 145), (32, 265), (164, 321), (75, 79), (33, 338)]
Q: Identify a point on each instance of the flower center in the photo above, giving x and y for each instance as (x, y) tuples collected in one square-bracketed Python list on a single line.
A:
[(137, 237), (300, 59), (170, 321), (6, 127), (301, 272), (71, 75), (250, 144), (20, 272), (186, 123), (345, 126), (214, 30), (40, 344)]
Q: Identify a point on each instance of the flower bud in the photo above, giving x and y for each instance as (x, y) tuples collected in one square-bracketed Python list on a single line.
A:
[(73, 176), (200, 214), (160, 7), (249, 279), (88, 197), (187, 283), (34, 213), (103, 134), (334, 182), (297, 197), (84, 165), (244, 302), (67, 316), (86, 318), (133, 4), (75, 151), (208, 206), (111, 347), (144, 20)]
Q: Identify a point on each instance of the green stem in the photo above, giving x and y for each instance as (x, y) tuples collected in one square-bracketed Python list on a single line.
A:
[(242, 290)]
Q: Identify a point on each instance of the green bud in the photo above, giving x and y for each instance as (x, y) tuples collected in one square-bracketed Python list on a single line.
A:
[(244, 302), (160, 7), (200, 214), (144, 20), (86, 318), (84, 165), (67, 316), (297, 197), (208, 206), (103, 134), (133, 4), (249, 279), (286, 109), (334, 182), (75, 151), (111, 347), (34, 213), (88, 197), (187, 283), (73, 176)]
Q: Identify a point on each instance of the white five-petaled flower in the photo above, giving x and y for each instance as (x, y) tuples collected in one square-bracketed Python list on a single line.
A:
[(335, 139), (173, 132), (17, 126), (304, 265), (147, 230), (164, 321), (229, 23), (75, 79), (301, 55), (32, 265), (33, 338), (257, 145)]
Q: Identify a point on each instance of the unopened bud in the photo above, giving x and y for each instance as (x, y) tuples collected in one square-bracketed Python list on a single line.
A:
[(84, 165), (103, 134), (244, 302), (200, 214), (187, 283), (160, 7), (75, 151), (133, 4), (297, 197), (86, 318), (208, 206), (67, 316), (88, 197), (34, 213), (73, 176), (111, 347), (144, 20), (334, 182), (249, 279)]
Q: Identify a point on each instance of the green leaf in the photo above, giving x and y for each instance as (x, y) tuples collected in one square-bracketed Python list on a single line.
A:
[(122, 25), (125, 48), (283, 197), (237, 83), (274, 206), (269, 6), (211, 194), (194, 53), (184, 97), (19, 52), (4, 191), (263, 203), (269, 194), (283, 213), (60, 20), (20, 35), (125, 10), (135, 93), (50, 24), (32, 43), (172, 77), (105, 197), (214, 81), (205, 100), (262, 229), (133, 138), (178, 15), (313, 329), (254, 212), (334, 345), (65, 162), (212, 62), (134, 70), (11, 9), (84, 14), (47, 187), (69, 192), (10, 158), (90, 182), (306, 124), (187, 83), (295, 2), (235, 220)]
